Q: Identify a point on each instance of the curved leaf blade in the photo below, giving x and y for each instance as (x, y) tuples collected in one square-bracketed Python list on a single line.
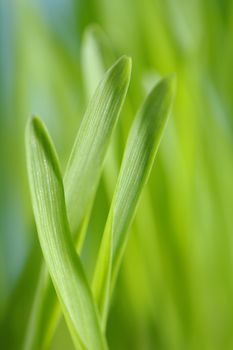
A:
[(63, 263), (139, 155), (86, 160)]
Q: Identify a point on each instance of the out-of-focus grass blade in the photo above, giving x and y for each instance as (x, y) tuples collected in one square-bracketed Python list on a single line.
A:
[(64, 265), (141, 148), (80, 182), (44, 314), (24, 291), (98, 52), (96, 55)]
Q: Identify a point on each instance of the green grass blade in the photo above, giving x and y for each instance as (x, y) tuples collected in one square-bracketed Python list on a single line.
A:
[(80, 182), (45, 312), (141, 148), (63, 263), (86, 160), (102, 276)]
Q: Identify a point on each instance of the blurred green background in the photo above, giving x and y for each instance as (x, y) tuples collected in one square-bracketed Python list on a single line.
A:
[(175, 289)]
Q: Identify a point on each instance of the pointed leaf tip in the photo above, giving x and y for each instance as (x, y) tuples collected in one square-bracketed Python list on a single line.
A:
[(126, 63), (169, 83), (37, 134), (121, 71)]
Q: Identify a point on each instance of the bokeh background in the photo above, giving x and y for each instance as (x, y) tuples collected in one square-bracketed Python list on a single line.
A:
[(175, 289)]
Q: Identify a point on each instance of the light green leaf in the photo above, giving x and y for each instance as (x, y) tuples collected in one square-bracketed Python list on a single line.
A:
[(102, 277), (55, 239), (80, 183), (141, 148), (86, 160)]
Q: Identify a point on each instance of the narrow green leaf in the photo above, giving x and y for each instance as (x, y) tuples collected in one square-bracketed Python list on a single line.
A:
[(80, 183), (102, 276), (141, 148), (86, 160), (55, 239), (40, 315)]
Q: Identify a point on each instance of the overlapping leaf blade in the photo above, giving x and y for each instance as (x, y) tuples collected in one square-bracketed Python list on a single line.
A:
[(81, 180), (55, 238), (85, 164), (141, 148)]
